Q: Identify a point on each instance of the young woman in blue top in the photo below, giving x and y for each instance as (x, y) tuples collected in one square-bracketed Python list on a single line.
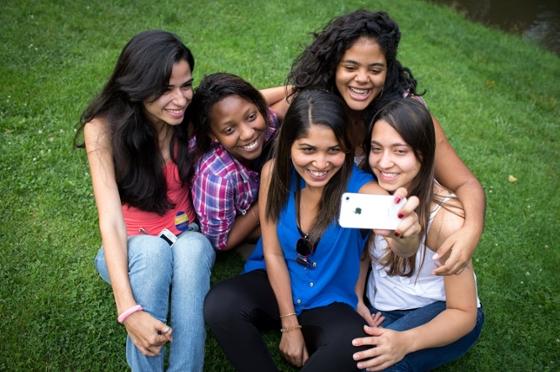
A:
[(312, 264), (429, 320)]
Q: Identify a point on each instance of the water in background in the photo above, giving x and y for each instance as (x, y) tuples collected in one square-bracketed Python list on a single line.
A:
[(535, 20)]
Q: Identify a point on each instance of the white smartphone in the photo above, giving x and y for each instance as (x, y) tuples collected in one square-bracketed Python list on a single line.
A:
[(367, 211)]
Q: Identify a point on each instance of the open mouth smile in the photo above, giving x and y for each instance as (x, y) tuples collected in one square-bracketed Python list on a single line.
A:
[(251, 146)]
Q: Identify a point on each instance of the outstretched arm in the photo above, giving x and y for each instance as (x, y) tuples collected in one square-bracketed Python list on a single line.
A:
[(452, 173)]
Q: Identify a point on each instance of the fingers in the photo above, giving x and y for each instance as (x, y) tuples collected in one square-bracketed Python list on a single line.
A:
[(410, 205), (368, 318), (165, 331), (377, 319), (400, 193), (453, 264), (305, 355)]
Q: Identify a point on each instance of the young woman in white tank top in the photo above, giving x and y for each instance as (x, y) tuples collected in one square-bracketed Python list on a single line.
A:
[(428, 320)]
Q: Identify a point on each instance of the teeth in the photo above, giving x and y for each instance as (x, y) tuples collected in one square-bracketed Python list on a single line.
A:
[(318, 174), (389, 174), (359, 91), (175, 112), (250, 146)]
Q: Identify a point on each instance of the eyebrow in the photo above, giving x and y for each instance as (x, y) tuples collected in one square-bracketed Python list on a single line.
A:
[(396, 144), (381, 64), (185, 83)]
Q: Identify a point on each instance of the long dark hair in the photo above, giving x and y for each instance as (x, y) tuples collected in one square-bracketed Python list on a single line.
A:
[(310, 107), (316, 65), (212, 89), (142, 74), (412, 121)]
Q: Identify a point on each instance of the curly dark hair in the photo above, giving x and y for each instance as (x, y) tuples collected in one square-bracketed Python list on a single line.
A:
[(316, 66)]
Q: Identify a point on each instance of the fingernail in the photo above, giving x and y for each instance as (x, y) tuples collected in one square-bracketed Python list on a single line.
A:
[(397, 234), (400, 215), (397, 199), (435, 257)]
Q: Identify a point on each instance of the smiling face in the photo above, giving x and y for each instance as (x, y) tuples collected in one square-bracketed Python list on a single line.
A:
[(317, 156), (239, 126), (169, 108), (361, 73), (392, 160)]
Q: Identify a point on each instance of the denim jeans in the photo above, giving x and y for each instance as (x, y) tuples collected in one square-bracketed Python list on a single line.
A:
[(169, 279), (427, 359)]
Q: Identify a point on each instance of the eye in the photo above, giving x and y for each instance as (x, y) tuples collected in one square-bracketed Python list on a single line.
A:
[(307, 149), (401, 151), (334, 150), (228, 130), (187, 85), (252, 116), (349, 67), (375, 149)]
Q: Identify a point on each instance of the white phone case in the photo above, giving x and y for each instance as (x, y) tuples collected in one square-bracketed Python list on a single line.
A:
[(367, 211)]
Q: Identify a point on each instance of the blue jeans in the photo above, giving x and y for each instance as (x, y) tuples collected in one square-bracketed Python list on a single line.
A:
[(169, 279), (428, 359)]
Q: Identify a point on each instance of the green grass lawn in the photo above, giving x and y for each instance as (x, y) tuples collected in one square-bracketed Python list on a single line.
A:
[(496, 96)]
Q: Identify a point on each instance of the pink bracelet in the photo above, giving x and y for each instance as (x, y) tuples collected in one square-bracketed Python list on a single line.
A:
[(128, 312)]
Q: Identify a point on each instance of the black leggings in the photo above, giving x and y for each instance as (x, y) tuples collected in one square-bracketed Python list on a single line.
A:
[(238, 309)]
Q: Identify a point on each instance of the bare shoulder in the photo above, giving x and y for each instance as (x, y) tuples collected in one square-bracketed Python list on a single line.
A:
[(96, 134), (266, 170), (449, 217)]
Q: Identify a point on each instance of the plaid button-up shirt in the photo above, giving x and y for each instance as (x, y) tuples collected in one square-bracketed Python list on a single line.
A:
[(222, 188)]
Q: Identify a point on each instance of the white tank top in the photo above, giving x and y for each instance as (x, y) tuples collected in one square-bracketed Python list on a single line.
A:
[(397, 292)]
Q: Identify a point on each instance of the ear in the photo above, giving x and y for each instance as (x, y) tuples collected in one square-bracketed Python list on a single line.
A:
[(212, 137)]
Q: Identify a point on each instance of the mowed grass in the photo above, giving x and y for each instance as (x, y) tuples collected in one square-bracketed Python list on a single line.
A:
[(496, 96)]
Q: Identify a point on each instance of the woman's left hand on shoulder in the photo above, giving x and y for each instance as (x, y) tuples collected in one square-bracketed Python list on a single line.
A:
[(455, 252), (388, 348)]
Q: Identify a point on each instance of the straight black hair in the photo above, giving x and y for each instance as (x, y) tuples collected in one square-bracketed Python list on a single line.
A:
[(142, 74)]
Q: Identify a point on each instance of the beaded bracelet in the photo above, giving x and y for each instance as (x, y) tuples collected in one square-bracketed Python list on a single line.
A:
[(287, 315), (288, 329), (128, 312)]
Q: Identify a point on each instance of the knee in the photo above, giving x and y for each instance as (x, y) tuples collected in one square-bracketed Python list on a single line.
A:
[(150, 255), (223, 304), (193, 248)]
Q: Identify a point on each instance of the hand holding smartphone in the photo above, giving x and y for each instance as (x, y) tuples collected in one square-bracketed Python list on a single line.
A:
[(368, 211)]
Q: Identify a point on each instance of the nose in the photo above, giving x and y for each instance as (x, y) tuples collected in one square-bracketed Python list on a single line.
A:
[(361, 76), (246, 132), (181, 97), (385, 161), (321, 161)]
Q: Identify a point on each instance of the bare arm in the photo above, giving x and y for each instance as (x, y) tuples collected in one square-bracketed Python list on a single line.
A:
[(454, 322), (277, 99), (452, 173), (244, 227), (141, 326), (292, 344), (459, 317)]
